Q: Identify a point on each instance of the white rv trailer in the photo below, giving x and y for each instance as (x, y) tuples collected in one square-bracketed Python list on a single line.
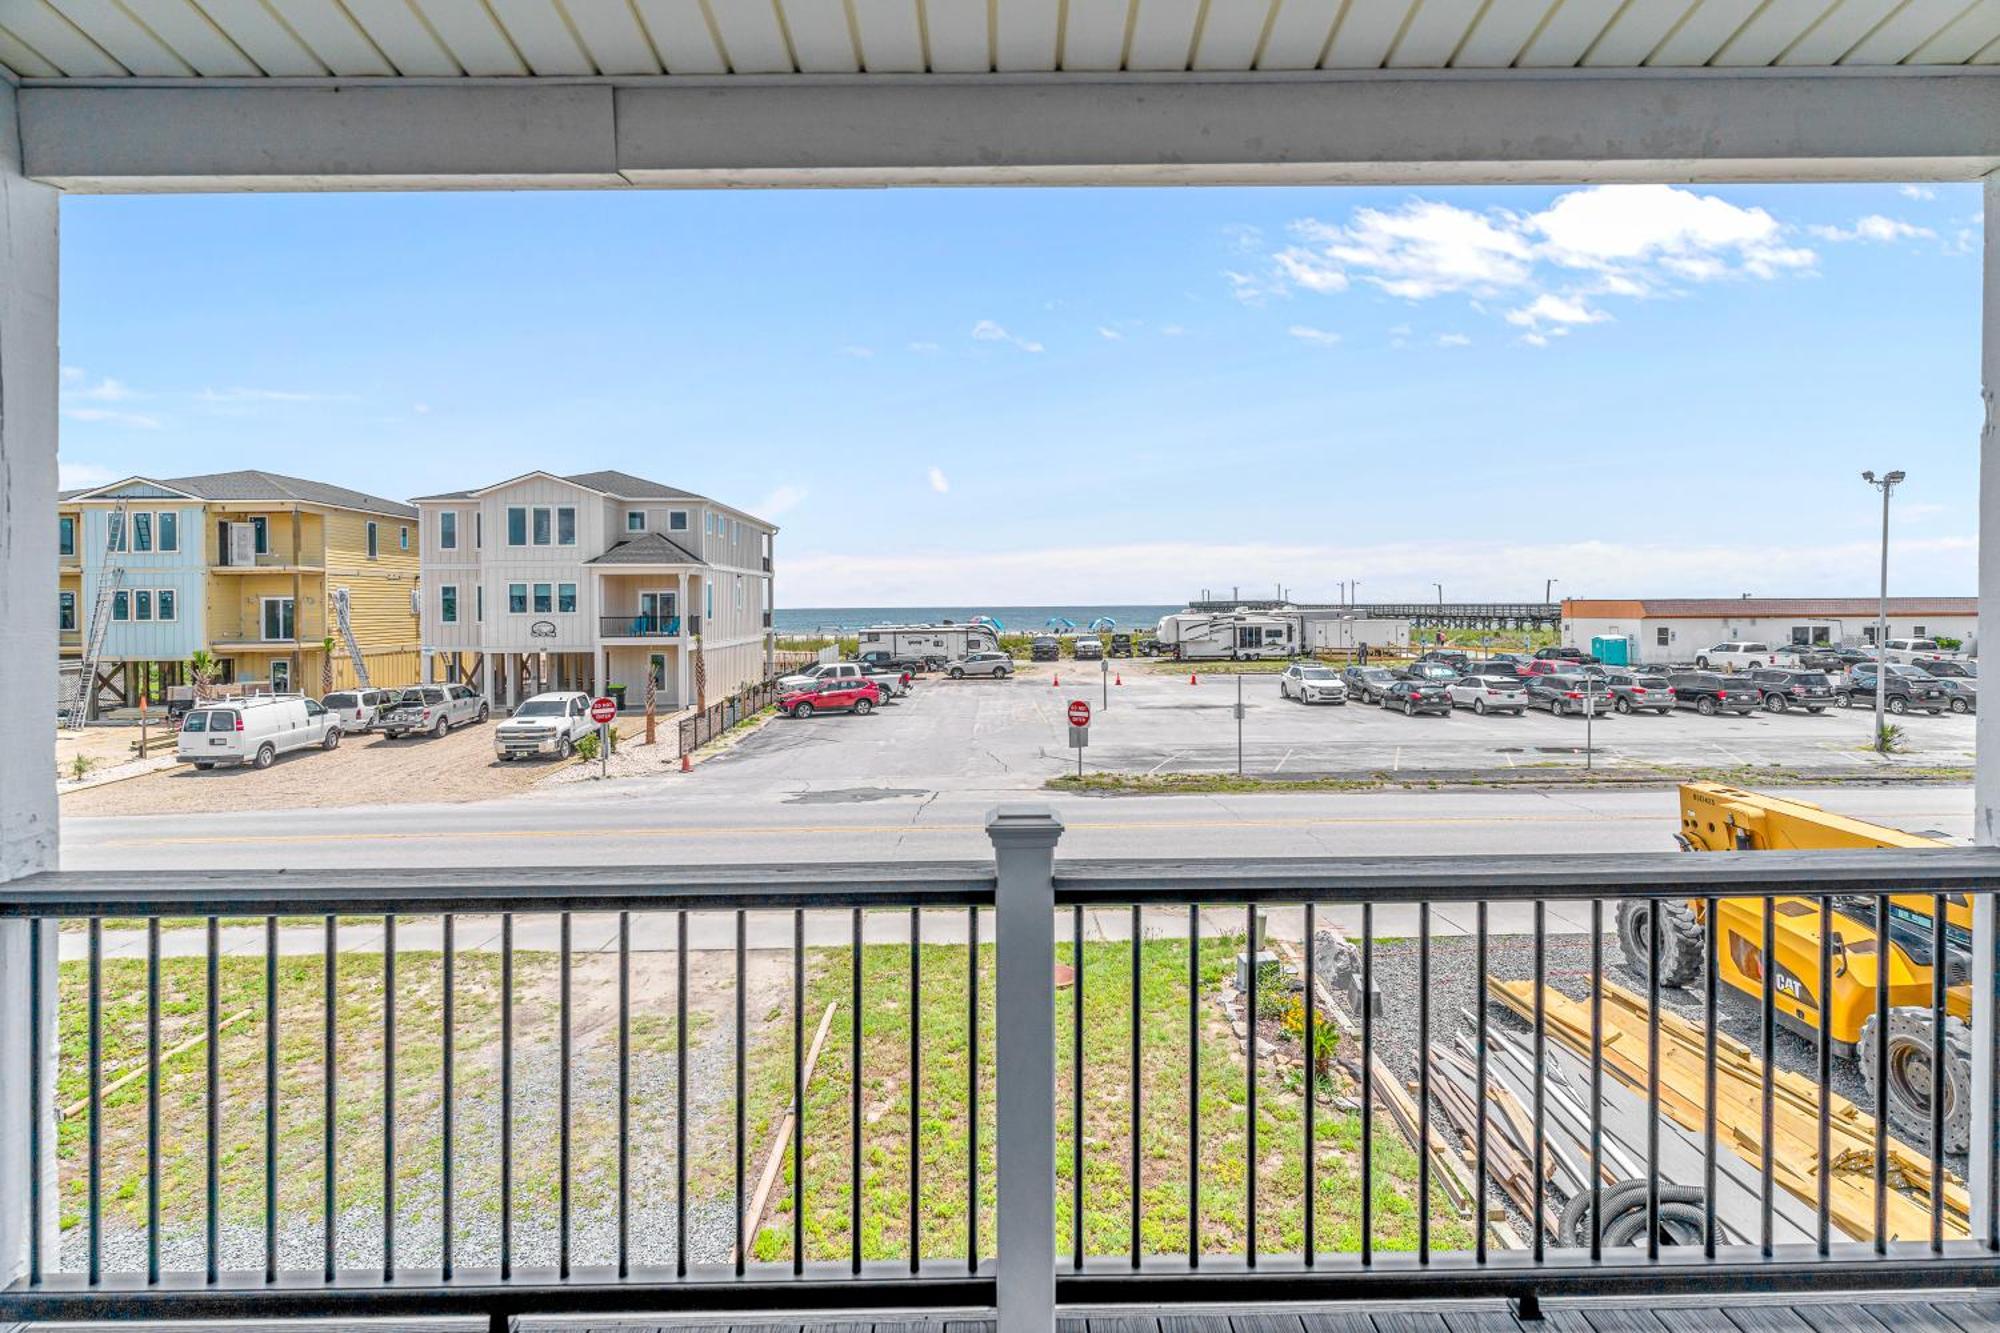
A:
[(1234, 635), (943, 640)]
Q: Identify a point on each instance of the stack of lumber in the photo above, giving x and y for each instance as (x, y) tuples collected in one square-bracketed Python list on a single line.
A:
[(1739, 1101)]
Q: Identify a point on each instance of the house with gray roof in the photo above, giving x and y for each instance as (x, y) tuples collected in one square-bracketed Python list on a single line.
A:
[(592, 581)]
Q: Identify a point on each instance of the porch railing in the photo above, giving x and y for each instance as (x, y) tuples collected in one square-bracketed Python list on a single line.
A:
[(639, 626), (310, 959)]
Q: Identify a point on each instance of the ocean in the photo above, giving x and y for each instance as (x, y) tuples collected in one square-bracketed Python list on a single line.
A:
[(1014, 619)]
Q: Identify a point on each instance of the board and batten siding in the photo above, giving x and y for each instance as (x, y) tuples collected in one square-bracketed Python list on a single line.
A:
[(378, 590), (184, 572)]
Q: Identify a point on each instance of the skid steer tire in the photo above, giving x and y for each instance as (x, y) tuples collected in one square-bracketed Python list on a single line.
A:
[(1910, 1076), (1683, 942)]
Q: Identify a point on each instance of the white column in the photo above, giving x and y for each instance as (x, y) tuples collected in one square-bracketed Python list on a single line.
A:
[(1024, 844), (1986, 779), (684, 692), (27, 648)]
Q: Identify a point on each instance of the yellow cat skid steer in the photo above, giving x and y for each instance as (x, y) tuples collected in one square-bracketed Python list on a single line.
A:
[(1715, 818)]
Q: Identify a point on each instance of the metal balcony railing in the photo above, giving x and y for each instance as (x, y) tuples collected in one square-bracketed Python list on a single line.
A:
[(1146, 1149), (638, 626)]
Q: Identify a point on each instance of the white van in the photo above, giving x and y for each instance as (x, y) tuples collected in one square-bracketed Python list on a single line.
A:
[(254, 731)]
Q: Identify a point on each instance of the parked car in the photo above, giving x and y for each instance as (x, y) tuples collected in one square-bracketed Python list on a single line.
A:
[(1427, 670), (1088, 649), (358, 711), (1416, 696), (1368, 684), (1960, 680), (892, 683), (997, 665), (1851, 657), (254, 730), (435, 709), (840, 695), (1916, 650), (881, 659), (1819, 657), (1903, 691), (1121, 645), (1709, 693), (1559, 653), (1544, 666), (1451, 657), (1569, 693), (1639, 692), (1485, 694), (1045, 648), (1311, 683), (1745, 654), (549, 724), (1785, 690)]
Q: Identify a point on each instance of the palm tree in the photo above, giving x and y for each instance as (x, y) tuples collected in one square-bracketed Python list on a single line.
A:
[(201, 670), (326, 665)]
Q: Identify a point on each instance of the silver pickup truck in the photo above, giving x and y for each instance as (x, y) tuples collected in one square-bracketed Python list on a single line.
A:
[(893, 684), (432, 709)]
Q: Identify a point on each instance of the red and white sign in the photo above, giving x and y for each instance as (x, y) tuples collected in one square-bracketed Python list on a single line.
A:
[(1079, 713), (603, 710)]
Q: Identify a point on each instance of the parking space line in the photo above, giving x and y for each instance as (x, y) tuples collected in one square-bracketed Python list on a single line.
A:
[(1163, 763)]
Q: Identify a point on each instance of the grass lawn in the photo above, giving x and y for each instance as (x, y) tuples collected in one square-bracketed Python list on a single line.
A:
[(947, 1108)]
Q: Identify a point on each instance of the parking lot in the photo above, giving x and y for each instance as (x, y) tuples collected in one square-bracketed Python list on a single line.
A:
[(1013, 733)]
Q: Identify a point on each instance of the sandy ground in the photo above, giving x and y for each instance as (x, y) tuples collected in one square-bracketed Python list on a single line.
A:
[(365, 770), (102, 748)]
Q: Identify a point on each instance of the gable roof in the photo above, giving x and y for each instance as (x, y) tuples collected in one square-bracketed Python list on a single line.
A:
[(655, 548), (625, 486), (254, 484)]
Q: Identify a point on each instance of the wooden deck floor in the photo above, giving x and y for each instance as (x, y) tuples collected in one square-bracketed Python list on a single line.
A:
[(1843, 1314)]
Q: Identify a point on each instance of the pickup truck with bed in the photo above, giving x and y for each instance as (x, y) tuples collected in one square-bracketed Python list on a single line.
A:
[(433, 710), (893, 684)]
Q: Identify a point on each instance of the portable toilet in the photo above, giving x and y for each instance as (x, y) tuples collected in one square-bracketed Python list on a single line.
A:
[(1612, 652)]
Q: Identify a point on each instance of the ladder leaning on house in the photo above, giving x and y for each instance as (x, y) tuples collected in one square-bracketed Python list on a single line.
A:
[(77, 706), (339, 599)]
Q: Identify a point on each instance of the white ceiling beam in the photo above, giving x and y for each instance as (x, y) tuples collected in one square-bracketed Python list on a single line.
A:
[(1434, 129)]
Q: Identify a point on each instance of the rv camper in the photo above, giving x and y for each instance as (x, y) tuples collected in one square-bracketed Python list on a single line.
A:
[(947, 641), (1237, 636)]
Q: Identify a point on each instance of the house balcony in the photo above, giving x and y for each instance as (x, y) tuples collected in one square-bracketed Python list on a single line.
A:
[(274, 562), (1221, 1166), (639, 626)]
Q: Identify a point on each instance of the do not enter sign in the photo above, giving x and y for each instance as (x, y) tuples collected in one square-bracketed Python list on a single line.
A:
[(603, 710), (1079, 713)]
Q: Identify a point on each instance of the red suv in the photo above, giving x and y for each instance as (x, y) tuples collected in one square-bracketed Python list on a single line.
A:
[(833, 696)]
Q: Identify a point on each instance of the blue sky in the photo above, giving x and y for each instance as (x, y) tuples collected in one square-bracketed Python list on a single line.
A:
[(1024, 396)]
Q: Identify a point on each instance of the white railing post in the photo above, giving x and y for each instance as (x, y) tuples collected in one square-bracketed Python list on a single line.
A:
[(1024, 844), (1986, 774)]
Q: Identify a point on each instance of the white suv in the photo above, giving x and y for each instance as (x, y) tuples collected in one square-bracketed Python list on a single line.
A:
[(548, 724), (254, 730)]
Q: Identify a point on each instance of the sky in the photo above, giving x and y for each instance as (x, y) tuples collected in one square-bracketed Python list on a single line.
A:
[(1013, 396)]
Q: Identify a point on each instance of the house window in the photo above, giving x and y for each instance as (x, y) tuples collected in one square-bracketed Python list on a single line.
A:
[(66, 611), (142, 531), (374, 541), (677, 520), (262, 527), (517, 598), (566, 597), (479, 602), (66, 534), (709, 600), (278, 617), (448, 604), (114, 524), (635, 521), (448, 531), (543, 601), (739, 592), (1868, 634), (541, 526), (121, 606), (142, 604), (165, 598), (517, 526), (478, 529), (403, 537), (170, 532), (566, 526), (1661, 635), (1919, 632)]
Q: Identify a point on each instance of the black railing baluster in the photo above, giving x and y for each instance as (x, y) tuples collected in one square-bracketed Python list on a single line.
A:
[(1939, 972), (152, 1102), (799, 1093), (853, 1102), (1076, 1089), (972, 1089), (1424, 1085), (36, 1076), (94, 1204), (213, 1032), (916, 1086), (1137, 1078), (1541, 1152), (1479, 1164), (1596, 1077), (389, 1098), (1194, 1085), (447, 1096), (330, 1092), (1884, 951), (1824, 1221), (1311, 1245), (681, 1093), (270, 1099), (737, 1139), (565, 1050), (1712, 1015), (1768, 1036), (1653, 912), (1367, 1084), (506, 1095), (1250, 1092)]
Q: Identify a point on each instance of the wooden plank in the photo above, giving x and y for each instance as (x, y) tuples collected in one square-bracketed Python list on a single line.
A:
[(1502, 32), (1435, 33), (1367, 33), (891, 40), (1705, 31), (1121, 1324), (1634, 34), (970, 1326), (131, 45), (332, 37), (1163, 34), (1094, 34), (393, 26), (613, 40), (1194, 1323), (1968, 35), (1481, 1321), (1231, 33), (1913, 1317), (681, 35), (1771, 32), (23, 59), (1906, 30), (820, 36), (1299, 33), (193, 38), (958, 36), (1568, 34), (1974, 1316), (1693, 1319), (1839, 1317), (1024, 35), (1620, 1320), (59, 42), (751, 35), (468, 31), (1334, 1321), (1408, 1321), (1767, 1319), (1265, 1323), (541, 37), (1835, 35)]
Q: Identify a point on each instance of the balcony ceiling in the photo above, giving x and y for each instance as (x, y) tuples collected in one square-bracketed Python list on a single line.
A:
[(64, 40)]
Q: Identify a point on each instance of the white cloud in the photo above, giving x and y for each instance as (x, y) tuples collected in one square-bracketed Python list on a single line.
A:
[(82, 476), (1920, 192), (781, 501), (925, 348), (938, 481), (239, 394), (75, 384), (1109, 334), (72, 375), (422, 409), (1172, 330), (112, 417), (987, 331), (1307, 333), (1877, 228), (857, 351), (1454, 340), (1625, 230), (1420, 250), (1548, 308)]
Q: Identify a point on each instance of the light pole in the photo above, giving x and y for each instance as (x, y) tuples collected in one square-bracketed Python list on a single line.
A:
[(1887, 485), (1548, 588)]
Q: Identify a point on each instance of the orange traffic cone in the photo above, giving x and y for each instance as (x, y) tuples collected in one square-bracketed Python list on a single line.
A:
[(1192, 680), (1118, 680), (686, 767), (1054, 681)]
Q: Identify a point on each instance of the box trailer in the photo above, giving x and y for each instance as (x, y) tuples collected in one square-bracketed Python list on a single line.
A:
[(1233, 636), (945, 640)]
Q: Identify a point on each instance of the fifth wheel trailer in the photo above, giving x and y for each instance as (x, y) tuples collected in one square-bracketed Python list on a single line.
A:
[(942, 640), (1242, 635)]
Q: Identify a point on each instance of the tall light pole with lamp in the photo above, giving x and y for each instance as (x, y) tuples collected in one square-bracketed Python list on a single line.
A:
[(1886, 484)]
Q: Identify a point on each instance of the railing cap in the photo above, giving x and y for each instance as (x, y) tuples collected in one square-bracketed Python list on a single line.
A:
[(1023, 826)]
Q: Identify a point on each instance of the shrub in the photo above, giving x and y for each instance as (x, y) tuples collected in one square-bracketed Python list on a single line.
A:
[(1326, 1038)]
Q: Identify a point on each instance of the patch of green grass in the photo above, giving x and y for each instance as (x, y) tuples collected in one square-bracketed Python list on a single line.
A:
[(948, 1110)]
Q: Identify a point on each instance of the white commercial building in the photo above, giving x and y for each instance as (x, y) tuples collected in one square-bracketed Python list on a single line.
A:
[(1674, 629), (591, 581)]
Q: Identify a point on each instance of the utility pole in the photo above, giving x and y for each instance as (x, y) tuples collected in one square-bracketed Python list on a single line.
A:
[(1886, 484), (1548, 589)]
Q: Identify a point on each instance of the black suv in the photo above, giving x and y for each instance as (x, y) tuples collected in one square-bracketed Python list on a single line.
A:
[(1903, 692), (1711, 692), (1785, 689), (1046, 648), (1120, 645), (1572, 655)]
